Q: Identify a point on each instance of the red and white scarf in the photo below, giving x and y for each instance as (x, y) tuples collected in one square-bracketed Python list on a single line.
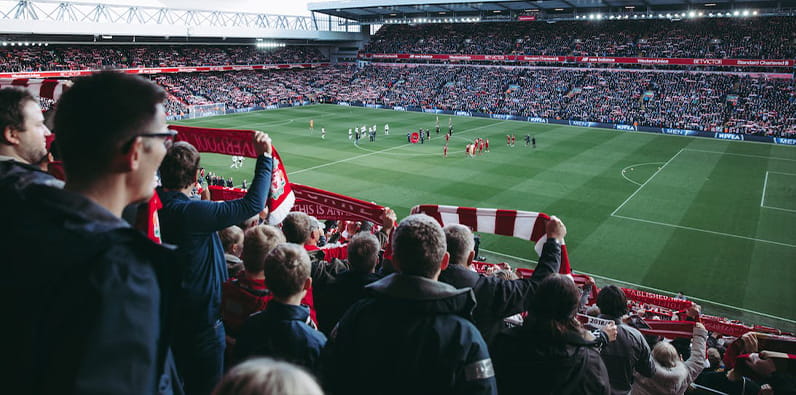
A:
[(526, 225)]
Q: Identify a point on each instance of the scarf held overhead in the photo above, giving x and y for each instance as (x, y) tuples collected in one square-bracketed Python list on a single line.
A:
[(241, 143), (526, 225)]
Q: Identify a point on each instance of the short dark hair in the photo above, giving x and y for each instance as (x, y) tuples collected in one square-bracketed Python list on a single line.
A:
[(363, 252), (286, 269), (179, 166), (11, 102), (99, 115), (297, 227), (257, 243), (419, 245), (612, 301)]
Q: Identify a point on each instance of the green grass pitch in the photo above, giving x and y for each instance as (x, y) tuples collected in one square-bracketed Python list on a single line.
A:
[(713, 219)]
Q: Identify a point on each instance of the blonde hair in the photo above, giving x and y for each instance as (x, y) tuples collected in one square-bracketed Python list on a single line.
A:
[(257, 243), (265, 376), (665, 354)]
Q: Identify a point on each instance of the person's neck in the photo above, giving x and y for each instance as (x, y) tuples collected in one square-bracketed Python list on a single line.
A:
[(109, 193), (294, 300), (256, 276), (13, 155)]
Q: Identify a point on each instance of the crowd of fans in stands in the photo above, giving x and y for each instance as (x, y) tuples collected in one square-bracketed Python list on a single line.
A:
[(400, 304), (94, 57), (696, 101), (754, 38)]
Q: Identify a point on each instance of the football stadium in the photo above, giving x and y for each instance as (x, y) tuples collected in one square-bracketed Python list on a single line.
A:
[(558, 196)]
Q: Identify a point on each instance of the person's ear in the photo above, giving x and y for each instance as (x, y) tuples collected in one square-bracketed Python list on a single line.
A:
[(444, 262), (131, 159), (11, 135), (470, 257), (308, 283)]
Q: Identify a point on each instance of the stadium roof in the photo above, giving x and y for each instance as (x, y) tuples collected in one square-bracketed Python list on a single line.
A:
[(364, 11)]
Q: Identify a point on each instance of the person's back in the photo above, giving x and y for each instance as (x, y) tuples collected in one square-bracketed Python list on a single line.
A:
[(282, 331), (413, 334), (630, 352), (96, 316), (672, 374), (349, 287), (497, 298), (550, 353)]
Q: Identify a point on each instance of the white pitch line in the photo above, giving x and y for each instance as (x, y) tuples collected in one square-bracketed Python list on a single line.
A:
[(660, 291), (637, 165), (746, 155), (780, 209), (645, 182), (373, 153), (706, 231), (763, 197)]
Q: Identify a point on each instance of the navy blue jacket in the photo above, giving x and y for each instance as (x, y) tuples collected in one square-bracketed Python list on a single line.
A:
[(412, 336), (281, 332), (87, 298), (191, 225), (498, 298)]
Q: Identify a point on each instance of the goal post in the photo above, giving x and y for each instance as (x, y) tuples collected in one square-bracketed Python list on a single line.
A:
[(206, 110)]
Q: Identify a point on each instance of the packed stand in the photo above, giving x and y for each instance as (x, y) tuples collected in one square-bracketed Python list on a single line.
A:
[(92, 57), (711, 102), (753, 38)]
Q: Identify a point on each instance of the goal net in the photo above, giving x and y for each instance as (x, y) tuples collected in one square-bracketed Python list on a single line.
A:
[(206, 110)]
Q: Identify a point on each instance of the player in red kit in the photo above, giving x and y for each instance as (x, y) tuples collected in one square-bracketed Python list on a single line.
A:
[(486, 142), (445, 151), (508, 140)]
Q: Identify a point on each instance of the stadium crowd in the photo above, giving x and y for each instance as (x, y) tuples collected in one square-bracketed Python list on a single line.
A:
[(712, 102), (400, 302), (752, 38), (92, 57)]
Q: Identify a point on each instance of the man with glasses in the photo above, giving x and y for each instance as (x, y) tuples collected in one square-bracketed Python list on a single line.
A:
[(23, 140), (192, 226), (97, 322)]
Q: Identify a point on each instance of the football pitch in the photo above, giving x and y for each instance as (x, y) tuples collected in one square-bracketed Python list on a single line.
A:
[(714, 219)]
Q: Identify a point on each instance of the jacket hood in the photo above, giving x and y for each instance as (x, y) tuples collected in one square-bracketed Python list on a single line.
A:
[(17, 176), (424, 294)]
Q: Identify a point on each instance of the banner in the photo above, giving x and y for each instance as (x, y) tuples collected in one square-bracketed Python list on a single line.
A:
[(160, 70), (592, 59)]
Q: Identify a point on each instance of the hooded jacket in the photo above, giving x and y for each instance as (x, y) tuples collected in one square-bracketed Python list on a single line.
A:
[(412, 335)]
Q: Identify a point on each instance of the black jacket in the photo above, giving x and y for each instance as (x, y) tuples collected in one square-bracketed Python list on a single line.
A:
[(498, 298), (628, 353), (332, 301), (410, 337), (87, 297), (529, 362)]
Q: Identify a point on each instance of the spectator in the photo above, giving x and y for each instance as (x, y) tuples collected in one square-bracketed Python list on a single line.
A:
[(349, 287), (247, 293), (23, 142), (630, 352), (232, 243), (412, 334), (551, 353), (496, 298), (264, 376), (95, 323), (672, 375), (192, 226), (281, 330)]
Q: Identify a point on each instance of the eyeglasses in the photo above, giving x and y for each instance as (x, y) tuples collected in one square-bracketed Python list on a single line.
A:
[(168, 140)]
